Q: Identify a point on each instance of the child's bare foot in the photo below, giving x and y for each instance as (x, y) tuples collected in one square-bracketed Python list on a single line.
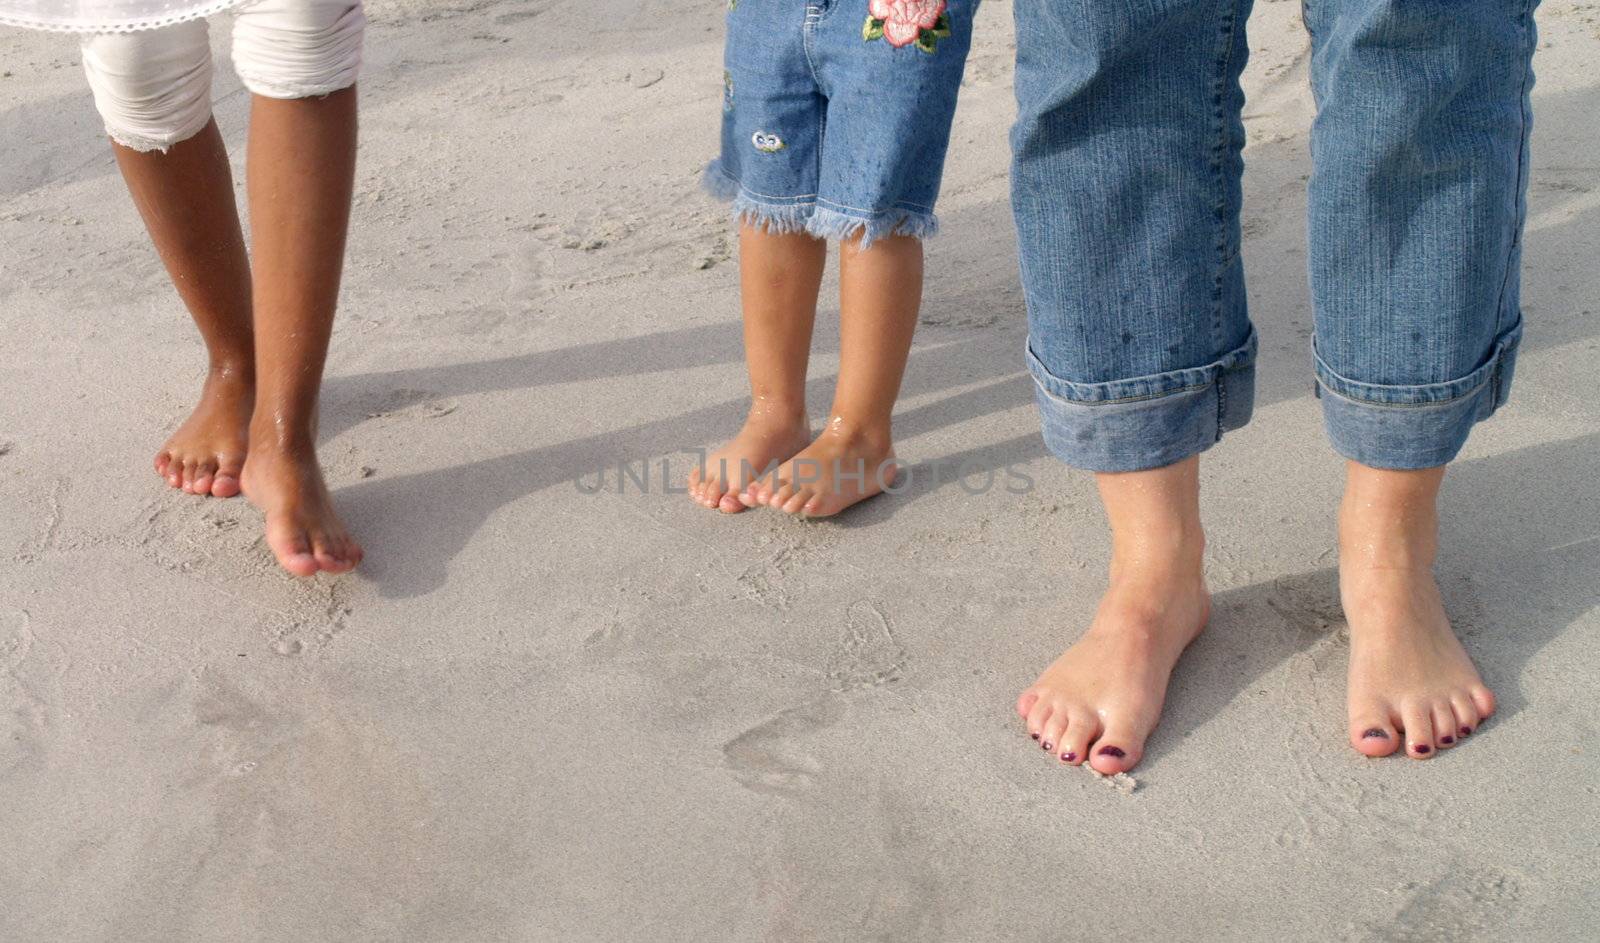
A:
[(844, 465), (1100, 700), (206, 454), (303, 531), (1409, 675), (768, 437)]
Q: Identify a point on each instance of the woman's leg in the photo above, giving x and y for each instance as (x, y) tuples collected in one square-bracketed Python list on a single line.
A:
[(779, 278), (1416, 207), (880, 292), (1126, 191), (154, 90), (300, 60)]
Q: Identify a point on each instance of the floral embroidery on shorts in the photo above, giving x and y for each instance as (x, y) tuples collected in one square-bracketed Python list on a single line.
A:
[(903, 22), (766, 142)]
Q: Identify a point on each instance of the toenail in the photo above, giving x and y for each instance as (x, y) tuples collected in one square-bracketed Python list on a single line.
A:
[(1375, 733), (1046, 746), (1034, 736), (1422, 748), (1465, 731), (1112, 751), (1068, 756), (1447, 740)]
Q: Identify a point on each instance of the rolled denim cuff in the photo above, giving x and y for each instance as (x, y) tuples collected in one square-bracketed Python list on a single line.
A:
[(1145, 422), (1412, 427)]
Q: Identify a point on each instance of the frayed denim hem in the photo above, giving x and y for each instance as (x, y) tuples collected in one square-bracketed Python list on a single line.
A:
[(1145, 422), (827, 223), (796, 214), (1406, 428)]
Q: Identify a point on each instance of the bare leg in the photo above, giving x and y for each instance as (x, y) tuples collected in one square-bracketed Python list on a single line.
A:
[(300, 172), (1408, 671), (1101, 699), (779, 278), (186, 199), (880, 293)]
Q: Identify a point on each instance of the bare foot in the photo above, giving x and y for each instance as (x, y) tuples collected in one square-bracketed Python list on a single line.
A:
[(206, 454), (303, 531), (768, 437), (1409, 674), (844, 465), (1102, 698)]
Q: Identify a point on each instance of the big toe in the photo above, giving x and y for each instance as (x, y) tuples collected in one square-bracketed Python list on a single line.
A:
[(1372, 734), (292, 546), (1117, 751)]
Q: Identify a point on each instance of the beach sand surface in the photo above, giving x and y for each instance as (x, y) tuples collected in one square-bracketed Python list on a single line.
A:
[(549, 711)]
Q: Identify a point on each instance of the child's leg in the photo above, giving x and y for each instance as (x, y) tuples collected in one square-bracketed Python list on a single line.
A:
[(1101, 699), (779, 277), (300, 172), (880, 292), (154, 90), (1408, 671)]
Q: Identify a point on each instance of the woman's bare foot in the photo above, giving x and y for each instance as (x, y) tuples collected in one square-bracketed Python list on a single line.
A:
[(1102, 698), (1409, 674), (206, 454), (845, 465), (769, 436), (303, 531)]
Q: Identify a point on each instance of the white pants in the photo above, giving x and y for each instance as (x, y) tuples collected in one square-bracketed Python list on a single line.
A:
[(153, 87)]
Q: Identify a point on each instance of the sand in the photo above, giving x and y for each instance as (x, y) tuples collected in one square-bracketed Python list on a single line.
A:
[(541, 714)]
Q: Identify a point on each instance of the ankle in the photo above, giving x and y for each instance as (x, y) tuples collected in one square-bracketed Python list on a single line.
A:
[(774, 413), (240, 370), (871, 434), (1373, 537)]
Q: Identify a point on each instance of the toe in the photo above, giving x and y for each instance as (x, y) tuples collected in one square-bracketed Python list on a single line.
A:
[(1025, 702), (1117, 751), (189, 466), (1054, 730), (730, 504), (329, 552), (780, 494), (796, 502), (205, 474), (1372, 734), (163, 459), (226, 482), (1039, 716), (1417, 719), (292, 546), (1444, 725), (1466, 714), (1483, 699), (1074, 745)]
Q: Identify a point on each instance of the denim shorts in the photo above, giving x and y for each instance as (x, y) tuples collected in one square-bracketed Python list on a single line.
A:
[(836, 113)]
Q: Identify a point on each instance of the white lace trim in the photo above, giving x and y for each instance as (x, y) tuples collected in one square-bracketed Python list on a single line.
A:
[(133, 24)]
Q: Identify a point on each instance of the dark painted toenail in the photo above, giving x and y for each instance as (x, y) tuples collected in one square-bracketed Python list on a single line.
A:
[(1447, 740), (1422, 748), (1034, 736), (1112, 751), (1046, 746), (1375, 733), (1068, 756), (1465, 731)]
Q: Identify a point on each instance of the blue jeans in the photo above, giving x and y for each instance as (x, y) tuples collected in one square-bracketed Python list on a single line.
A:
[(836, 113), (1126, 191)]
